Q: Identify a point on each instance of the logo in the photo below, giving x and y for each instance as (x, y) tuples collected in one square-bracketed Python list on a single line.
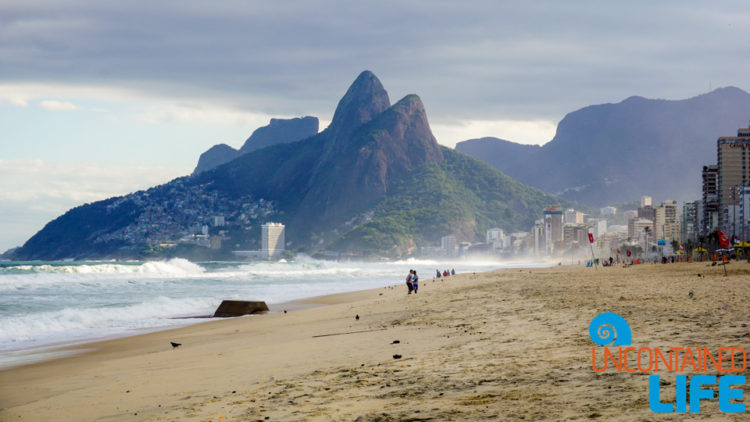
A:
[(609, 328)]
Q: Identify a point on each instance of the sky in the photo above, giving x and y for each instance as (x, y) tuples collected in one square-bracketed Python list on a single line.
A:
[(103, 98)]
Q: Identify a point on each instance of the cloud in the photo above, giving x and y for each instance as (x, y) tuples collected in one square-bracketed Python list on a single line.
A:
[(522, 131), (490, 61), (33, 192), (18, 101), (57, 105)]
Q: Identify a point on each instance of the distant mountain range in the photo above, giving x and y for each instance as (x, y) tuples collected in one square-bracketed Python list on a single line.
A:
[(375, 182), (279, 131), (610, 153)]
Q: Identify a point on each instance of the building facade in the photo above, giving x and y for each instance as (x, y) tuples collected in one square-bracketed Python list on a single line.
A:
[(272, 240), (733, 161), (573, 217), (553, 225), (691, 221), (710, 221)]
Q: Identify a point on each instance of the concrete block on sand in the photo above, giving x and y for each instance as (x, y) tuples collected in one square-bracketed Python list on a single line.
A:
[(233, 308)]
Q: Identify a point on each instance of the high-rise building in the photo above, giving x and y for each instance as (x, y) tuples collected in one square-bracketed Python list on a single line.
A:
[(495, 238), (665, 220), (691, 220), (538, 237), (645, 201), (553, 226), (448, 244), (710, 201), (647, 212), (573, 217), (738, 216), (733, 161), (272, 240)]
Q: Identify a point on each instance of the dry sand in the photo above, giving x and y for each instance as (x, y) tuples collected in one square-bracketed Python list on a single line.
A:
[(509, 345)]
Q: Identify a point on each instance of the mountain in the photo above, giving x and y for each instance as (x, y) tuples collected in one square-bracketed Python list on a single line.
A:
[(214, 157), (281, 131), (375, 181), (278, 131), (610, 153)]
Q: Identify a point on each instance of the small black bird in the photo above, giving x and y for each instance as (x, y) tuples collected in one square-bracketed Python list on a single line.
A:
[(175, 345), (396, 356), (357, 317)]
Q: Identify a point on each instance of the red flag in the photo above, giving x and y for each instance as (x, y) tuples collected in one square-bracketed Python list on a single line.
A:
[(591, 238), (723, 239)]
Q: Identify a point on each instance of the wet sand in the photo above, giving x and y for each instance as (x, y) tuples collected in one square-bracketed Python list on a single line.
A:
[(511, 344)]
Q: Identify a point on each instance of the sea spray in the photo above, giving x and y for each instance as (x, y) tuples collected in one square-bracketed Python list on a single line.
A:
[(51, 302)]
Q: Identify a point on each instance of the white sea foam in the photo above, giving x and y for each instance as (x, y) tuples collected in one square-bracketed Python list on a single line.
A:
[(43, 304)]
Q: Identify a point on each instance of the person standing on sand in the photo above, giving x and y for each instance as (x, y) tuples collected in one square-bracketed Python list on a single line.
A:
[(415, 281), (409, 282)]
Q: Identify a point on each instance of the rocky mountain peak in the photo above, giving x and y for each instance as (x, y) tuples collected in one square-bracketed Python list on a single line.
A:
[(365, 99)]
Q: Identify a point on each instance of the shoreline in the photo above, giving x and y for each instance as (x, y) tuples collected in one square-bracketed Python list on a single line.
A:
[(61, 350), (508, 344), (24, 355)]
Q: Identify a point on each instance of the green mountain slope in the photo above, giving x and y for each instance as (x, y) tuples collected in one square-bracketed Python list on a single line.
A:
[(461, 196)]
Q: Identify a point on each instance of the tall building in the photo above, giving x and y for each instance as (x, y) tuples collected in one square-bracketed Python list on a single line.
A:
[(272, 240), (666, 222), (538, 237), (738, 216), (691, 220), (647, 212), (733, 161), (710, 201), (573, 217), (495, 238), (645, 201), (598, 227), (553, 227), (448, 244)]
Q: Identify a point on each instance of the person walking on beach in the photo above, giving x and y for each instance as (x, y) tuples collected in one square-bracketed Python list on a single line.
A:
[(409, 282), (437, 274), (415, 281)]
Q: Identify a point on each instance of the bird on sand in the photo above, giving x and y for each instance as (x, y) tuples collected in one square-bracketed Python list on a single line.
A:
[(175, 345), (357, 317)]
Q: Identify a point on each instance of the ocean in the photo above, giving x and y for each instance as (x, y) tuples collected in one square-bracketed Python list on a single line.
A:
[(47, 304)]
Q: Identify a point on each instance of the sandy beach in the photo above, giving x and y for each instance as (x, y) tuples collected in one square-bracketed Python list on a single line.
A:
[(510, 345)]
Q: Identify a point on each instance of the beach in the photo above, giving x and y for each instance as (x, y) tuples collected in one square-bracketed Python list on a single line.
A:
[(511, 344)]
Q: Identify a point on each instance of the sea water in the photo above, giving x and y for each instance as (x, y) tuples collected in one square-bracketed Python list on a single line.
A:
[(50, 303)]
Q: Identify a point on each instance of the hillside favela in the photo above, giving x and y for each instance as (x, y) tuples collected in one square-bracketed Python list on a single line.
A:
[(219, 212)]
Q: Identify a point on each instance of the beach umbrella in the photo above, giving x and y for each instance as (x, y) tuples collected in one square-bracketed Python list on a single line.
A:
[(742, 244), (680, 252), (699, 250)]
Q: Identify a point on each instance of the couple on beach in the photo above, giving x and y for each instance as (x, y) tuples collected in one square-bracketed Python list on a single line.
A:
[(412, 281)]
